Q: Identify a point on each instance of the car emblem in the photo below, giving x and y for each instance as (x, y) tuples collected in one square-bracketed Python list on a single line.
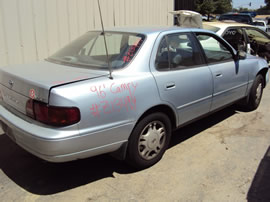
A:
[(10, 82)]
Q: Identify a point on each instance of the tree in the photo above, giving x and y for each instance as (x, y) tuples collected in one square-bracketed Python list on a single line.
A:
[(213, 6), (205, 7), (267, 2), (223, 6)]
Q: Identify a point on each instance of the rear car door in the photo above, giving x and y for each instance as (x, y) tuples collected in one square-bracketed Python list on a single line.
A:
[(230, 76), (182, 77)]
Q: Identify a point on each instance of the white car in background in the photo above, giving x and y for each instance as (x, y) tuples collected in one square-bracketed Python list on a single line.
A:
[(242, 37), (261, 24)]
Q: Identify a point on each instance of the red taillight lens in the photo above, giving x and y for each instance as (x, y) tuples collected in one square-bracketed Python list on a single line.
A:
[(51, 115), (30, 108)]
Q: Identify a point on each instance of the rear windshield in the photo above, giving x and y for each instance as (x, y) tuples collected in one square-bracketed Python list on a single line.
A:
[(237, 18), (89, 50), (211, 28)]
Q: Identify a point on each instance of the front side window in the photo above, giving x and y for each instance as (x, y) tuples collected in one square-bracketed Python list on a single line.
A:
[(89, 50), (215, 51), (178, 51), (235, 37)]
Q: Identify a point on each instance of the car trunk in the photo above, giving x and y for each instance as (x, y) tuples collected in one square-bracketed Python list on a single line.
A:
[(19, 83)]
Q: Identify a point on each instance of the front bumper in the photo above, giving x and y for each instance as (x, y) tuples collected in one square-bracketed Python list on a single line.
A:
[(64, 144)]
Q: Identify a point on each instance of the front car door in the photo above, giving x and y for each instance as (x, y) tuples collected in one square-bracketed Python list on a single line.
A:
[(230, 75), (183, 79)]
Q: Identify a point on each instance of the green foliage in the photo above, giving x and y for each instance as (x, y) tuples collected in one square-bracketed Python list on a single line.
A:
[(223, 6), (205, 7), (213, 6), (267, 2)]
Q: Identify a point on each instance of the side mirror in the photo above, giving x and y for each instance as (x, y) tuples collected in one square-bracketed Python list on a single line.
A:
[(241, 55)]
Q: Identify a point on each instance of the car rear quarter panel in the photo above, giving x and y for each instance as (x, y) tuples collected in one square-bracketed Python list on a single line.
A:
[(109, 107)]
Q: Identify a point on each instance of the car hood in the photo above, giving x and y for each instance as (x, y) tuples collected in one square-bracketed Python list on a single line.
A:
[(35, 80)]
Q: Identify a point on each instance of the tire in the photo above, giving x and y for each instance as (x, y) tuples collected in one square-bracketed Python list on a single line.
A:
[(255, 94), (149, 140)]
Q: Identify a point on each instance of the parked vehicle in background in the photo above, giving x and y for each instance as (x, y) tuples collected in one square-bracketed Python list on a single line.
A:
[(205, 18), (253, 14), (243, 37), (81, 102), (237, 17), (261, 24)]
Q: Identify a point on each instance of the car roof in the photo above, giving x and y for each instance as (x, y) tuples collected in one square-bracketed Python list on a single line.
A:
[(225, 24), (150, 29)]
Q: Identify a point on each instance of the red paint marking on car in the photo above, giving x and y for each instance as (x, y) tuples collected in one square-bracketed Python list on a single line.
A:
[(131, 51), (127, 100), (32, 93)]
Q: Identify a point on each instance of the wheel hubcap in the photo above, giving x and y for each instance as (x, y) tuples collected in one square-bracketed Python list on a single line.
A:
[(152, 140), (258, 93)]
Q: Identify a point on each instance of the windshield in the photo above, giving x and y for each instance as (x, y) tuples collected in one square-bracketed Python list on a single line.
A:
[(211, 28), (256, 34), (89, 50)]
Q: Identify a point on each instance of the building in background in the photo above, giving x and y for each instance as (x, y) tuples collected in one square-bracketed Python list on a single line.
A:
[(31, 30)]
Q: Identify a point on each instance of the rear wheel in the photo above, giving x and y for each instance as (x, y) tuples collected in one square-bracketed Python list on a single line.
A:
[(149, 140), (255, 94)]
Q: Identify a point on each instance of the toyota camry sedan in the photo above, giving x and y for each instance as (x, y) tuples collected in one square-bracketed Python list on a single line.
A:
[(125, 96)]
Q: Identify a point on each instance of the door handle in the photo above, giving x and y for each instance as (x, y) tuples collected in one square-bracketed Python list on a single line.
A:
[(170, 85), (218, 75)]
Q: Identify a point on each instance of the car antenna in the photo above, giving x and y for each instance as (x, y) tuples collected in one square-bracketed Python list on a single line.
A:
[(106, 48)]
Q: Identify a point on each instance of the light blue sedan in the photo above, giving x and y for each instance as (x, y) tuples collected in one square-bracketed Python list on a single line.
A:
[(82, 102)]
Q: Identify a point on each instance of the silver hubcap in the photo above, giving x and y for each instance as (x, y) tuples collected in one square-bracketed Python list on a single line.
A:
[(152, 140), (258, 93)]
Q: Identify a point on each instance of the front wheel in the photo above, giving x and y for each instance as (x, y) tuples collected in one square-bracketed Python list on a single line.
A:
[(255, 94), (149, 140)]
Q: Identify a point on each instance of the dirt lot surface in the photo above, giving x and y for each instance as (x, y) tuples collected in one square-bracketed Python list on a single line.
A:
[(214, 159)]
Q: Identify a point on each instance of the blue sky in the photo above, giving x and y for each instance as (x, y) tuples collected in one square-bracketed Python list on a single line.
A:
[(244, 3)]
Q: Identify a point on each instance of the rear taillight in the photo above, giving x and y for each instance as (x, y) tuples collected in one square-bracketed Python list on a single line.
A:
[(52, 115)]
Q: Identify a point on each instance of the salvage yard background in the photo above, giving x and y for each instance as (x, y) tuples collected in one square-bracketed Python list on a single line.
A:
[(31, 30)]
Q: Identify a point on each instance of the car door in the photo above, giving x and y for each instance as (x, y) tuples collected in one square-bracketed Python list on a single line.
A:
[(230, 76), (182, 77)]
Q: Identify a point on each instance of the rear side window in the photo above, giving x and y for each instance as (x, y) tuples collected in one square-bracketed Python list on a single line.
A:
[(178, 51)]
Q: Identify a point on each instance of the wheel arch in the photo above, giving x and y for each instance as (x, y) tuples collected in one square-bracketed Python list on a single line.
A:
[(161, 108), (263, 72)]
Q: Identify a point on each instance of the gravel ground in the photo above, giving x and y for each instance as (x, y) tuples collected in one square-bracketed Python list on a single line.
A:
[(214, 159)]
